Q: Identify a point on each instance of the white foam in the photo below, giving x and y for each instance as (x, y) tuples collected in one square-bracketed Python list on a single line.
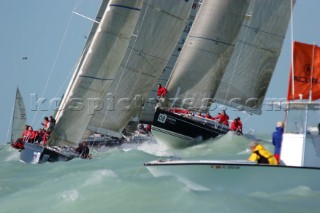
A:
[(97, 176), (70, 196), (13, 156), (289, 194)]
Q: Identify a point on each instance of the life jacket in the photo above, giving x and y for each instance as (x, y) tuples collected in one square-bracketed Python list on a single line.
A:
[(263, 156)]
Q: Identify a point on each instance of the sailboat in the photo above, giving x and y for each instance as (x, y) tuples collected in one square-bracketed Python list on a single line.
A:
[(300, 150), (129, 45), (19, 120), (228, 61)]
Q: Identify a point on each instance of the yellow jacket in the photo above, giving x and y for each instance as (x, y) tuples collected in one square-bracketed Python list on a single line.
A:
[(263, 156)]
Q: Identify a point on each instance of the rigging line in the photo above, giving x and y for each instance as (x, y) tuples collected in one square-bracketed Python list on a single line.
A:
[(83, 16), (238, 57), (125, 67), (54, 63), (75, 66), (292, 64), (72, 70), (84, 50), (311, 76)]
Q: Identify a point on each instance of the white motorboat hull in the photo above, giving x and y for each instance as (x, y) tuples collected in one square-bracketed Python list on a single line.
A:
[(236, 176)]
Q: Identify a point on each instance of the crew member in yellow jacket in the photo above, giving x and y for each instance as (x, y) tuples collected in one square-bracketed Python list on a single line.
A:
[(261, 155)]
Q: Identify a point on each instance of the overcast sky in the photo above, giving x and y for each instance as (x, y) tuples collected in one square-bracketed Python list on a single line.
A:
[(52, 38)]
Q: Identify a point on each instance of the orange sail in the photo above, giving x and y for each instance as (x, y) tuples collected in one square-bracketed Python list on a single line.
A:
[(306, 72)]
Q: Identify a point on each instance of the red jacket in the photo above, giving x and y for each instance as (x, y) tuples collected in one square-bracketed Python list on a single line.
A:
[(224, 119), (29, 135), (24, 133), (236, 125), (162, 91), (208, 116)]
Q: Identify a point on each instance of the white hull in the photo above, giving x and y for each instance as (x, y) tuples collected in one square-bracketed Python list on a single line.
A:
[(236, 176)]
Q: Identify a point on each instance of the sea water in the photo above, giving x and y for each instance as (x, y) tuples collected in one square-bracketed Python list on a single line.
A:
[(115, 180)]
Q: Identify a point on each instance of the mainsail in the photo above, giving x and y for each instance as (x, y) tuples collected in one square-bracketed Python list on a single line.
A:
[(159, 28), (19, 118), (206, 53), (249, 72), (96, 69)]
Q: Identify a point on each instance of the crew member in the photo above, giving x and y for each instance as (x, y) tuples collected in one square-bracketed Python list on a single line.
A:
[(83, 150), (224, 118), (236, 126), (52, 121), (208, 116), (29, 135), (261, 155), (217, 117), (161, 95), (277, 140), (162, 91)]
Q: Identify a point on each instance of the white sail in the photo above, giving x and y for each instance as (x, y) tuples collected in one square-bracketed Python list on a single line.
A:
[(19, 118), (249, 73), (148, 111), (206, 53), (96, 70), (159, 28)]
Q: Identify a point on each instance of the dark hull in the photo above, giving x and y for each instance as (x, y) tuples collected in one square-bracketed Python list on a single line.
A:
[(187, 131), (34, 153)]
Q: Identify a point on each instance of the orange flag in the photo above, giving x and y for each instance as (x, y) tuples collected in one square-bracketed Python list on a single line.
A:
[(306, 75)]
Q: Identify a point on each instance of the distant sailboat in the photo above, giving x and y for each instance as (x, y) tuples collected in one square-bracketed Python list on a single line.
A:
[(19, 118), (232, 66)]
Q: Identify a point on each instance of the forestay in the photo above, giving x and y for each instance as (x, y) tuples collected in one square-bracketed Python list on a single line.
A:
[(19, 118), (96, 70), (159, 28), (206, 53), (248, 75)]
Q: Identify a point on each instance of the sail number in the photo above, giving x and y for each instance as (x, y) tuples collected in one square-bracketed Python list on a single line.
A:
[(162, 118), (225, 167)]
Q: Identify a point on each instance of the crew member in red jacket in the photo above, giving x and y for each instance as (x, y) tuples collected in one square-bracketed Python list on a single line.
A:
[(224, 118), (208, 116), (25, 131), (236, 126), (162, 91), (217, 117), (29, 135), (161, 95)]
